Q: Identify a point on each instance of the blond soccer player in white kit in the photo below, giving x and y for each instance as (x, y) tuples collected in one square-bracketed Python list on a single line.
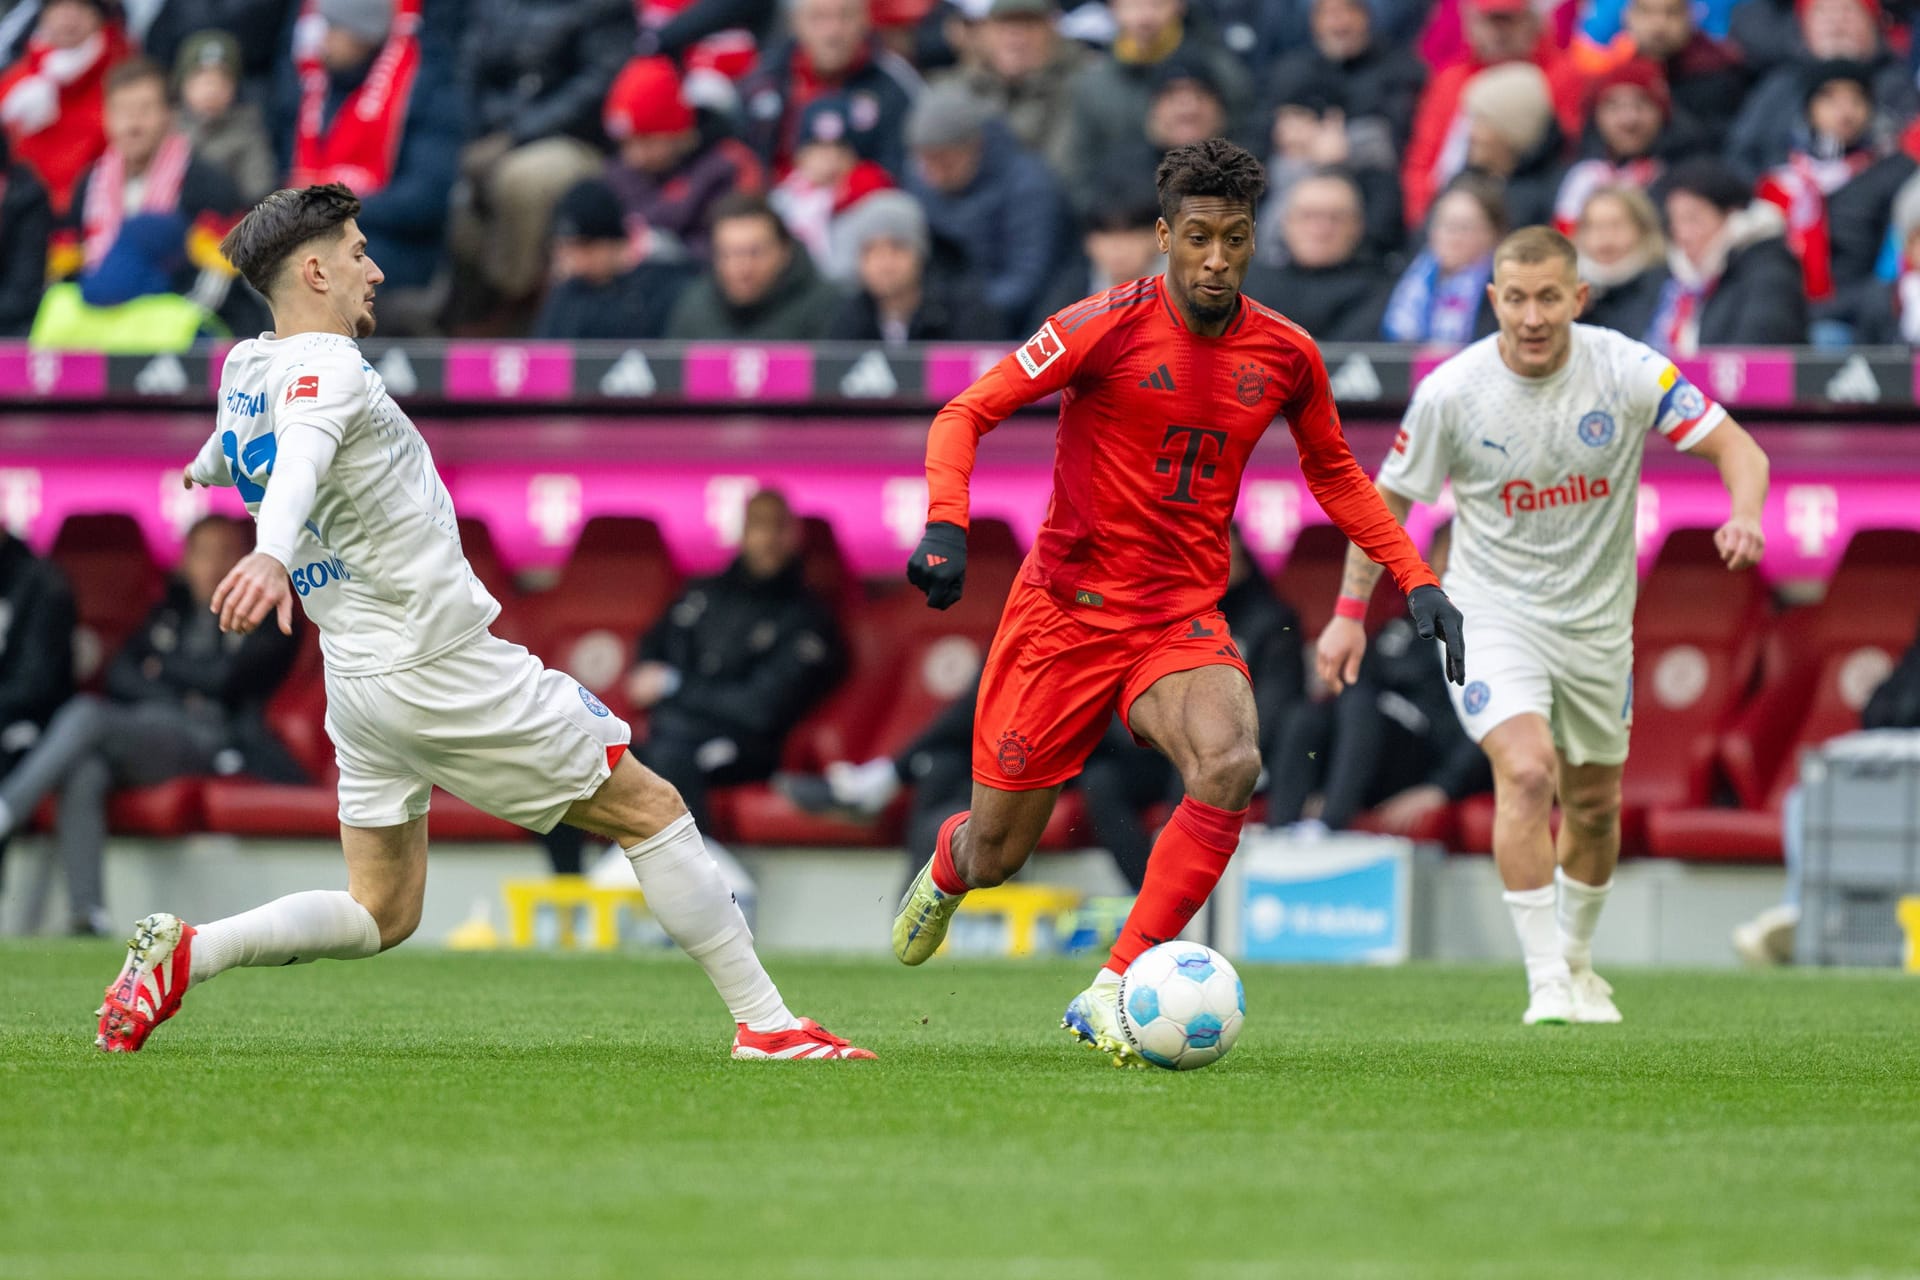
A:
[(1541, 429), (353, 518)]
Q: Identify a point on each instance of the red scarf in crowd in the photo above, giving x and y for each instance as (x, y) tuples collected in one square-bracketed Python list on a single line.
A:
[(1800, 188), (362, 143), (106, 204)]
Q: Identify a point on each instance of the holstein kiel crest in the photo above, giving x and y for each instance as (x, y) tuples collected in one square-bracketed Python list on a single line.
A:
[(1596, 428), (1250, 384)]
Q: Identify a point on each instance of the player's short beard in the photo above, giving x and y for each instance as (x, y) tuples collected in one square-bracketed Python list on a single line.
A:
[(1212, 313)]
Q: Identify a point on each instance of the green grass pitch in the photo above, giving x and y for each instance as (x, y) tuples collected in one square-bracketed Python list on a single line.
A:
[(443, 1115)]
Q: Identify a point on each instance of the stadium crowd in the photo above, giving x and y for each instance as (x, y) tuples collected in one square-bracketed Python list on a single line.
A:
[(1733, 171)]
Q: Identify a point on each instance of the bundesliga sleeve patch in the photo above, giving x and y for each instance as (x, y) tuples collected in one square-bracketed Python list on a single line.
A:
[(305, 387), (1682, 404), (1041, 350)]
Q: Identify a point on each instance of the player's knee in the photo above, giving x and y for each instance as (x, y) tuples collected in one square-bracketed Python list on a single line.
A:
[(396, 916), (1526, 783), (987, 853), (1592, 810), (1226, 777)]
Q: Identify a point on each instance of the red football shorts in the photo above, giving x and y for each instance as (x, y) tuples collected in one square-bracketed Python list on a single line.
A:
[(1052, 681)]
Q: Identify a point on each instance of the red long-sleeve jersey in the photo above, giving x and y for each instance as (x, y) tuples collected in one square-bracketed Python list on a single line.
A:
[(1156, 425)]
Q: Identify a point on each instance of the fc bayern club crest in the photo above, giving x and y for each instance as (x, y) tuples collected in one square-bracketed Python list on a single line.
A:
[(1596, 429), (1475, 697), (1250, 384), (1013, 753)]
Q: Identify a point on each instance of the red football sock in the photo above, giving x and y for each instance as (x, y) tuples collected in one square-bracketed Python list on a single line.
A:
[(945, 877), (1186, 863)]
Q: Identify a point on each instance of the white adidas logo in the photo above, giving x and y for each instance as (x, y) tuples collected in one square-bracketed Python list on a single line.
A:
[(870, 378), (397, 372), (630, 376), (162, 376), (1356, 379), (1853, 383)]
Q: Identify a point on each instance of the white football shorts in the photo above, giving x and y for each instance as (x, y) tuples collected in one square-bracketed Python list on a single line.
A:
[(1582, 685), (485, 722)]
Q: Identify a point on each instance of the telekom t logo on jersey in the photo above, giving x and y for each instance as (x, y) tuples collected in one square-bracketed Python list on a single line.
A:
[(1524, 495), (1189, 459)]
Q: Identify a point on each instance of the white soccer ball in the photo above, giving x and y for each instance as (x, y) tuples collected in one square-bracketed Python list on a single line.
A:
[(1181, 1005)]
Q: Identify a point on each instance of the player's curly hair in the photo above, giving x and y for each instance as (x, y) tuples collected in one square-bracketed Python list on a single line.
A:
[(259, 247), (1216, 168)]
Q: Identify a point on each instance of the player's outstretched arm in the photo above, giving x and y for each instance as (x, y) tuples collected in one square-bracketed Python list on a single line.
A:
[(1743, 469), (209, 466)]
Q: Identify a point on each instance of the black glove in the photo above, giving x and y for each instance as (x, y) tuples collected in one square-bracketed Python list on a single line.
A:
[(939, 564), (1436, 618)]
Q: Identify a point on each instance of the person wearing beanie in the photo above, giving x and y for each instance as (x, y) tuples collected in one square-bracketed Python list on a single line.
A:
[(602, 287), (53, 97), (672, 164), (894, 301), (1111, 94), (1764, 132), (1513, 138), (832, 174), (1837, 185), (1732, 280), (1631, 108), (990, 201), (833, 49), (536, 73), (1022, 65), (225, 132), (762, 287), (379, 109)]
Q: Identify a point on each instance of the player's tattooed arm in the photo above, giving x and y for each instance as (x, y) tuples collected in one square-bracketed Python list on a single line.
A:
[(1363, 571)]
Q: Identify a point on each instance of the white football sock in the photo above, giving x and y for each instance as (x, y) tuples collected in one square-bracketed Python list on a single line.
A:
[(1580, 907), (1105, 978), (686, 895), (1539, 934), (321, 924)]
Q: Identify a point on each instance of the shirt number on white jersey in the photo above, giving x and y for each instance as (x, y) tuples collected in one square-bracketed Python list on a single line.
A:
[(251, 466)]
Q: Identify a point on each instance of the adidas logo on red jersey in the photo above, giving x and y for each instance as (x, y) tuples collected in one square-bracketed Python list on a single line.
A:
[(1523, 495)]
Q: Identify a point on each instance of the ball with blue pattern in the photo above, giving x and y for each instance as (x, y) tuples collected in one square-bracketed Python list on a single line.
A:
[(1181, 1005)]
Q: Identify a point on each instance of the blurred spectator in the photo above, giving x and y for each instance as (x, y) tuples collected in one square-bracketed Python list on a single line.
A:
[(1705, 77), (833, 50), (1024, 68), (1442, 295), (735, 664), (1118, 243), (1111, 94), (1497, 31), (1630, 109), (1264, 33), (182, 698), (1390, 742), (53, 98), (601, 287), (1372, 85), (987, 198), (26, 226), (763, 286), (1732, 281), (1763, 132), (36, 649), (536, 73), (1623, 259), (1445, 39), (1311, 135), (1767, 33), (710, 37), (378, 109), (830, 177), (1327, 286), (1837, 186), (1513, 139), (162, 29), (1186, 107), (895, 300), (674, 164), (1606, 32), (1887, 312), (224, 132)]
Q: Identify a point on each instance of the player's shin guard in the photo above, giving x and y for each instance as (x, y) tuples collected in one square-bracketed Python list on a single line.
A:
[(320, 924), (1186, 863), (686, 894)]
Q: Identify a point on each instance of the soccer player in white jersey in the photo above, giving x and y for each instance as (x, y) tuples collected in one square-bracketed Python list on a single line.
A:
[(1540, 428), (352, 518)]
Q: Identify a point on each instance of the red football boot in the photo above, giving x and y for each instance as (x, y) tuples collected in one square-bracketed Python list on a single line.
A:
[(150, 985), (808, 1040)]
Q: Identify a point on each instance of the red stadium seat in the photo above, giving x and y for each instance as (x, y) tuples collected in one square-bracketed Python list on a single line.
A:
[(1310, 579), (171, 808), (476, 542), (825, 567), (115, 582), (757, 814), (243, 807), (617, 583)]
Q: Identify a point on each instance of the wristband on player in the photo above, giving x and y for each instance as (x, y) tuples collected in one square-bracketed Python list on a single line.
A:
[(1350, 607)]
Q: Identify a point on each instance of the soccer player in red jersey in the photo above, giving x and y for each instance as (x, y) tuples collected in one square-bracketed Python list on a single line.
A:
[(1166, 385)]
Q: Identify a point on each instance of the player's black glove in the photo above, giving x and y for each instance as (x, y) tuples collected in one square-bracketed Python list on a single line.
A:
[(1436, 618), (939, 564)]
